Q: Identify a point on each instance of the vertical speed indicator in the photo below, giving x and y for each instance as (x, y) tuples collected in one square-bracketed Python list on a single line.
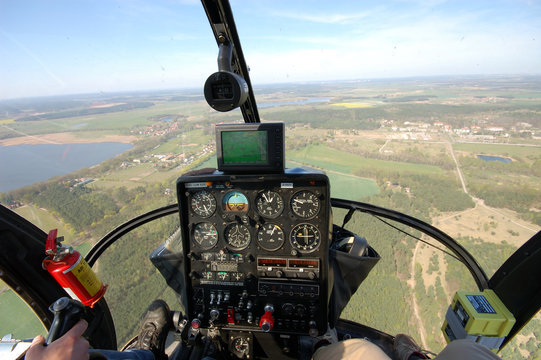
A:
[(270, 237)]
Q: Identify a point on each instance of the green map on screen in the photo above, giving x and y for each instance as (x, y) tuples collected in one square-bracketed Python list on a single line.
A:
[(244, 147)]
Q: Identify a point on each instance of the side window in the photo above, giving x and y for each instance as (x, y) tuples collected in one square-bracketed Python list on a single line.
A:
[(16, 317)]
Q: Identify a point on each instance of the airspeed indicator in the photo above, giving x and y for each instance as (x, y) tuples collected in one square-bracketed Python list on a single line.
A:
[(203, 203)]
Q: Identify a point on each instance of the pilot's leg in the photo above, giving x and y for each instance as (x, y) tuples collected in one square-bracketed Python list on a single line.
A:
[(466, 349), (133, 354), (350, 349)]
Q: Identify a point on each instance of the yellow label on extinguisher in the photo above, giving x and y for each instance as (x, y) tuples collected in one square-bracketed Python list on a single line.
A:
[(86, 276)]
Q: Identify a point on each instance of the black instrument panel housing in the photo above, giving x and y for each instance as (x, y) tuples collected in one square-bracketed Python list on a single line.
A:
[(231, 288)]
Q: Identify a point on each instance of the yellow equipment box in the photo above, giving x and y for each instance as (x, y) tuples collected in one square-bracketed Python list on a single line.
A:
[(478, 316)]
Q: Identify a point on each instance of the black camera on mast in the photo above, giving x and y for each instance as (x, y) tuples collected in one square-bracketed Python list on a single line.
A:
[(225, 90)]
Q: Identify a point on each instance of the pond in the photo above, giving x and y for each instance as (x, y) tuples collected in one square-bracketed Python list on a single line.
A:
[(495, 158)]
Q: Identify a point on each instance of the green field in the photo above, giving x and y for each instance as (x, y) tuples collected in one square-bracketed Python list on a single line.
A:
[(351, 187), (23, 326), (326, 158), (84, 248), (44, 220), (211, 162), (135, 173), (186, 143)]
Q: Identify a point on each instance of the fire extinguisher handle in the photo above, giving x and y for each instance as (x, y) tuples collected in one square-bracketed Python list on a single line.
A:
[(67, 312)]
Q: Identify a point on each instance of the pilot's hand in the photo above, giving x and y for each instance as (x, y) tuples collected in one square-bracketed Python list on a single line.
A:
[(70, 346)]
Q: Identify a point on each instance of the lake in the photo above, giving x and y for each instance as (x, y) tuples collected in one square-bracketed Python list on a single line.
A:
[(494, 158), (294, 102), (22, 165)]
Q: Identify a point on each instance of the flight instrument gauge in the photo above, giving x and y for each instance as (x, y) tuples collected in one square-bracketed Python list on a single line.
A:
[(305, 237), (240, 347), (269, 204), (305, 204), (237, 236), (235, 201), (205, 235), (270, 237), (203, 203)]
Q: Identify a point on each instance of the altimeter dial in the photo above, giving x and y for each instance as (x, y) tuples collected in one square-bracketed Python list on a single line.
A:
[(270, 237), (203, 203), (237, 236), (269, 204), (305, 204), (205, 235), (305, 237)]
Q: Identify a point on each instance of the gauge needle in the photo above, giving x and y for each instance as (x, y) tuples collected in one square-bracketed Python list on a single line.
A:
[(266, 198)]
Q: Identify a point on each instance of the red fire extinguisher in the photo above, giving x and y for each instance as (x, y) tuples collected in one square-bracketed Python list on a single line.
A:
[(71, 271)]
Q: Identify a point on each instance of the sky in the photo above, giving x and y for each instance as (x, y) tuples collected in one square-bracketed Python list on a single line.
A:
[(64, 46)]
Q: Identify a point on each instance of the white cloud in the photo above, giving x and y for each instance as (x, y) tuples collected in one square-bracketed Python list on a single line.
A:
[(323, 18)]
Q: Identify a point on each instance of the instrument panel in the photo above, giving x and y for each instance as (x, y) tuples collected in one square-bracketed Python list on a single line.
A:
[(256, 250)]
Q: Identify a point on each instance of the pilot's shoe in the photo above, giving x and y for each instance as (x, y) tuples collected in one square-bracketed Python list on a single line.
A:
[(154, 329), (330, 337), (405, 347)]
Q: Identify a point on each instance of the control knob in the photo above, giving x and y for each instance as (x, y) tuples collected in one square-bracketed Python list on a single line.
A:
[(267, 321), (214, 314)]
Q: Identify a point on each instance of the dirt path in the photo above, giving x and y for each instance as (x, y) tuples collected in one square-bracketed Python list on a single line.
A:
[(381, 148), (411, 283), (457, 168), (35, 218)]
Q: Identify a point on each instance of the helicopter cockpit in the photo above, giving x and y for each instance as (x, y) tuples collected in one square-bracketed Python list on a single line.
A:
[(261, 260)]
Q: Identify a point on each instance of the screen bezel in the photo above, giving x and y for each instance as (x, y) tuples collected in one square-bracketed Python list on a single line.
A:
[(275, 147)]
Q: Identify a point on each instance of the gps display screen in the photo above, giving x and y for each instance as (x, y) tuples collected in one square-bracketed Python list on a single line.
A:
[(245, 147)]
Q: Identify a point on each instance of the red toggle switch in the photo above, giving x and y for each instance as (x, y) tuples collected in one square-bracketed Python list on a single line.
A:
[(267, 322), (231, 316)]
